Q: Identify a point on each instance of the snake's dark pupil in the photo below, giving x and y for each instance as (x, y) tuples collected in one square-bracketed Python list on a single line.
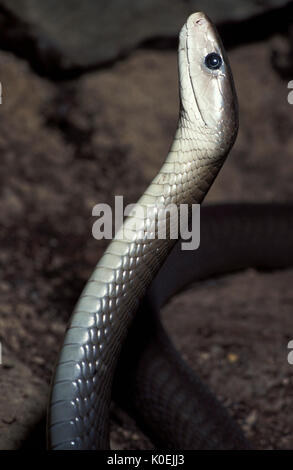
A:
[(213, 61)]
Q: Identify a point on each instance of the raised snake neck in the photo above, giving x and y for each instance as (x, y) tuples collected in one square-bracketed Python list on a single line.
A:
[(208, 121)]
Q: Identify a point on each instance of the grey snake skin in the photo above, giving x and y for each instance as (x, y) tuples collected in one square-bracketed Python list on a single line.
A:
[(151, 381), (153, 384)]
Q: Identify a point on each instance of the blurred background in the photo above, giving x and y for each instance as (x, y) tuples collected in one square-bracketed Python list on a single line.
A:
[(89, 108)]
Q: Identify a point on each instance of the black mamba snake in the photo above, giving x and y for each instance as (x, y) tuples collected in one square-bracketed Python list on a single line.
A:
[(151, 381)]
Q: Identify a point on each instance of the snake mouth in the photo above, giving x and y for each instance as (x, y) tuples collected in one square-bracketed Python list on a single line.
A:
[(190, 77), (196, 20)]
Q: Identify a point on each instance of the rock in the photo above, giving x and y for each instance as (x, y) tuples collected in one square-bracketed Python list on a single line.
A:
[(71, 34), (23, 402)]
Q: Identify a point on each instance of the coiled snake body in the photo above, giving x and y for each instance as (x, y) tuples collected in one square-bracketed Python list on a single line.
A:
[(152, 382)]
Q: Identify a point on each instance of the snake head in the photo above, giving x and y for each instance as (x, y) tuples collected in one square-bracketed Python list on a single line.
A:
[(207, 92)]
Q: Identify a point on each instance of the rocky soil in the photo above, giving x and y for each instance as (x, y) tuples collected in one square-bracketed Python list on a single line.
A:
[(68, 145)]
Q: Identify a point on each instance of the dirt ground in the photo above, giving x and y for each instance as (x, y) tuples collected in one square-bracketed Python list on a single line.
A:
[(66, 146)]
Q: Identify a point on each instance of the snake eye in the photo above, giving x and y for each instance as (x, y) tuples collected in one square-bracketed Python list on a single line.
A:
[(213, 61)]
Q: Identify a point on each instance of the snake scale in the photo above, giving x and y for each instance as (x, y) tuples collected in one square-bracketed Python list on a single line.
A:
[(138, 273)]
